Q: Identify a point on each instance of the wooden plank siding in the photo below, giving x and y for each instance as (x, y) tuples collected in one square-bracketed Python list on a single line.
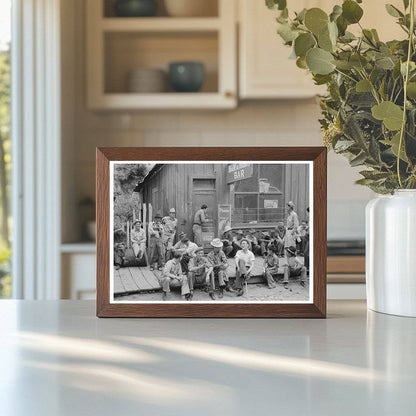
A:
[(172, 186)]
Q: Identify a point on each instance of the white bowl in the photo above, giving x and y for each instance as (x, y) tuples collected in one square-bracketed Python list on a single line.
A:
[(191, 8)]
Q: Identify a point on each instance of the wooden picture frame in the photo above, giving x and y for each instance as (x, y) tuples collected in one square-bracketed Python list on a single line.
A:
[(316, 156)]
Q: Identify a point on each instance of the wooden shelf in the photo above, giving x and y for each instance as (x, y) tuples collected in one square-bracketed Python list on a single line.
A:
[(163, 101), (116, 46), (159, 24)]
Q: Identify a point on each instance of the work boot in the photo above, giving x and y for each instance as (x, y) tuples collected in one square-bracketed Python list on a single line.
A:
[(286, 285), (164, 296), (221, 292), (117, 267), (229, 288), (212, 296), (303, 284), (240, 292)]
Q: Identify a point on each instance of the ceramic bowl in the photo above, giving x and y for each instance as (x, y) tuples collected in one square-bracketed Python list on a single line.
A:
[(186, 76), (135, 8)]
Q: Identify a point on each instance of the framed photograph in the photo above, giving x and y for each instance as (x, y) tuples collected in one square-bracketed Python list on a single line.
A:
[(211, 232)]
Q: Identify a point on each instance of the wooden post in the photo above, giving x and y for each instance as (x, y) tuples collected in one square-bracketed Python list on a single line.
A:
[(134, 215), (128, 234)]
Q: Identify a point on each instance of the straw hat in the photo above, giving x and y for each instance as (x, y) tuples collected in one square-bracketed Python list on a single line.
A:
[(172, 211), (216, 242)]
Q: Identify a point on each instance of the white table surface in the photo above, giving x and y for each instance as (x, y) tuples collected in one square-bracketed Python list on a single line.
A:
[(58, 359)]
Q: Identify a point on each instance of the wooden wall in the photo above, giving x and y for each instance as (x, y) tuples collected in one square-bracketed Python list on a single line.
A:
[(297, 188), (174, 189)]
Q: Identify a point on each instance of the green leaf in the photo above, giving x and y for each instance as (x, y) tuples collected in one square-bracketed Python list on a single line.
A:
[(342, 25), (303, 43), (319, 61), (336, 12), (394, 145), (393, 11), (391, 114), (343, 65), (351, 11), (286, 32), (406, 4), (385, 63), (276, 4), (358, 160), (301, 63), (321, 79), (316, 20), (363, 86), (411, 90), (343, 145)]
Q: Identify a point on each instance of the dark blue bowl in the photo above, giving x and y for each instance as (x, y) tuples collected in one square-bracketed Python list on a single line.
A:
[(186, 76), (136, 8)]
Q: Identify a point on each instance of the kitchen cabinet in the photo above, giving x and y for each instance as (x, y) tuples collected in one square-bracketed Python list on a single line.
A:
[(116, 46), (265, 70)]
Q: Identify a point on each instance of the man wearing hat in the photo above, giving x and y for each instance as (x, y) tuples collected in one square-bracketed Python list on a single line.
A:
[(156, 248), (199, 271), (292, 225), (237, 240), (138, 239), (169, 231), (254, 244), (264, 241), (172, 276), (219, 263), (200, 218), (244, 261), (293, 268), (186, 248), (227, 240)]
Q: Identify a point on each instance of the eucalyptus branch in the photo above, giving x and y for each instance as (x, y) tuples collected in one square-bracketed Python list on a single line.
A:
[(406, 80)]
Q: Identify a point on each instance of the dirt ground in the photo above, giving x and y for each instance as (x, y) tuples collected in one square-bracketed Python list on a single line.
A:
[(256, 292)]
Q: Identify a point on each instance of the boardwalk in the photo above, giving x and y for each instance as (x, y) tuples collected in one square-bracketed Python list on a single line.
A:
[(130, 280)]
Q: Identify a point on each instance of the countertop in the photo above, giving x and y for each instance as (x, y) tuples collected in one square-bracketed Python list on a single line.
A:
[(57, 358)]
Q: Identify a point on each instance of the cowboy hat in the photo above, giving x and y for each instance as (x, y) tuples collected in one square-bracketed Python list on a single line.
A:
[(172, 211), (290, 204), (291, 250), (216, 242), (240, 232), (227, 228), (252, 231)]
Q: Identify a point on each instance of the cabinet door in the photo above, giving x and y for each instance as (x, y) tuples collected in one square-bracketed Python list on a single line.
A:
[(265, 68)]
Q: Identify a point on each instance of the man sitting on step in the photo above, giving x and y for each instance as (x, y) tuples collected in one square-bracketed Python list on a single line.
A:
[(172, 276)]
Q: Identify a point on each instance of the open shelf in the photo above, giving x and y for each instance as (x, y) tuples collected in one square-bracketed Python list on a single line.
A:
[(160, 24), (108, 9), (116, 46)]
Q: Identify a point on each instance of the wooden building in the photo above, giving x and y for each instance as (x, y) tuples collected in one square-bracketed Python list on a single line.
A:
[(243, 196)]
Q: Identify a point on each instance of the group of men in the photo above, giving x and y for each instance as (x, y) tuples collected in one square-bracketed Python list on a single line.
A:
[(184, 264)]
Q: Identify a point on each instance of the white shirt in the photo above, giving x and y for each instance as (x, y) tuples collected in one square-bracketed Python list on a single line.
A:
[(247, 257)]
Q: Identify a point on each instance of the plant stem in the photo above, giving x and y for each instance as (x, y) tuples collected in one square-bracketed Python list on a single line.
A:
[(406, 80)]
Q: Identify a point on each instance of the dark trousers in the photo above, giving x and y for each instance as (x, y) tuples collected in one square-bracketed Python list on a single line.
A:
[(157, 251), (240, 274)]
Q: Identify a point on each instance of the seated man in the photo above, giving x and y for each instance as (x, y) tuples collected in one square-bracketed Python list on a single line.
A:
[(119, 255), (200, 272), (254, 244), (293, 268), (244, 260), (219, 264), (271, 266), (138, 239), (172, 276), (187, 248), (264, 240), (279, 239), (227, 240)]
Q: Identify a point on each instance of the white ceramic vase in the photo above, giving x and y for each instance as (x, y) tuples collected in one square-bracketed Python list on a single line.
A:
[(391, 253)]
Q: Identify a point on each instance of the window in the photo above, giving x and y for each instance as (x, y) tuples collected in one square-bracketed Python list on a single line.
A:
[(259, 199), (5, 160)]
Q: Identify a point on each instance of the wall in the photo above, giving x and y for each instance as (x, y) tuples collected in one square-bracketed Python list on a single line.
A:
[(257, 123)]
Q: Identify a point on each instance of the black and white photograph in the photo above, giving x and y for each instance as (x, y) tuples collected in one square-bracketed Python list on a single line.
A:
[(211, 232)]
